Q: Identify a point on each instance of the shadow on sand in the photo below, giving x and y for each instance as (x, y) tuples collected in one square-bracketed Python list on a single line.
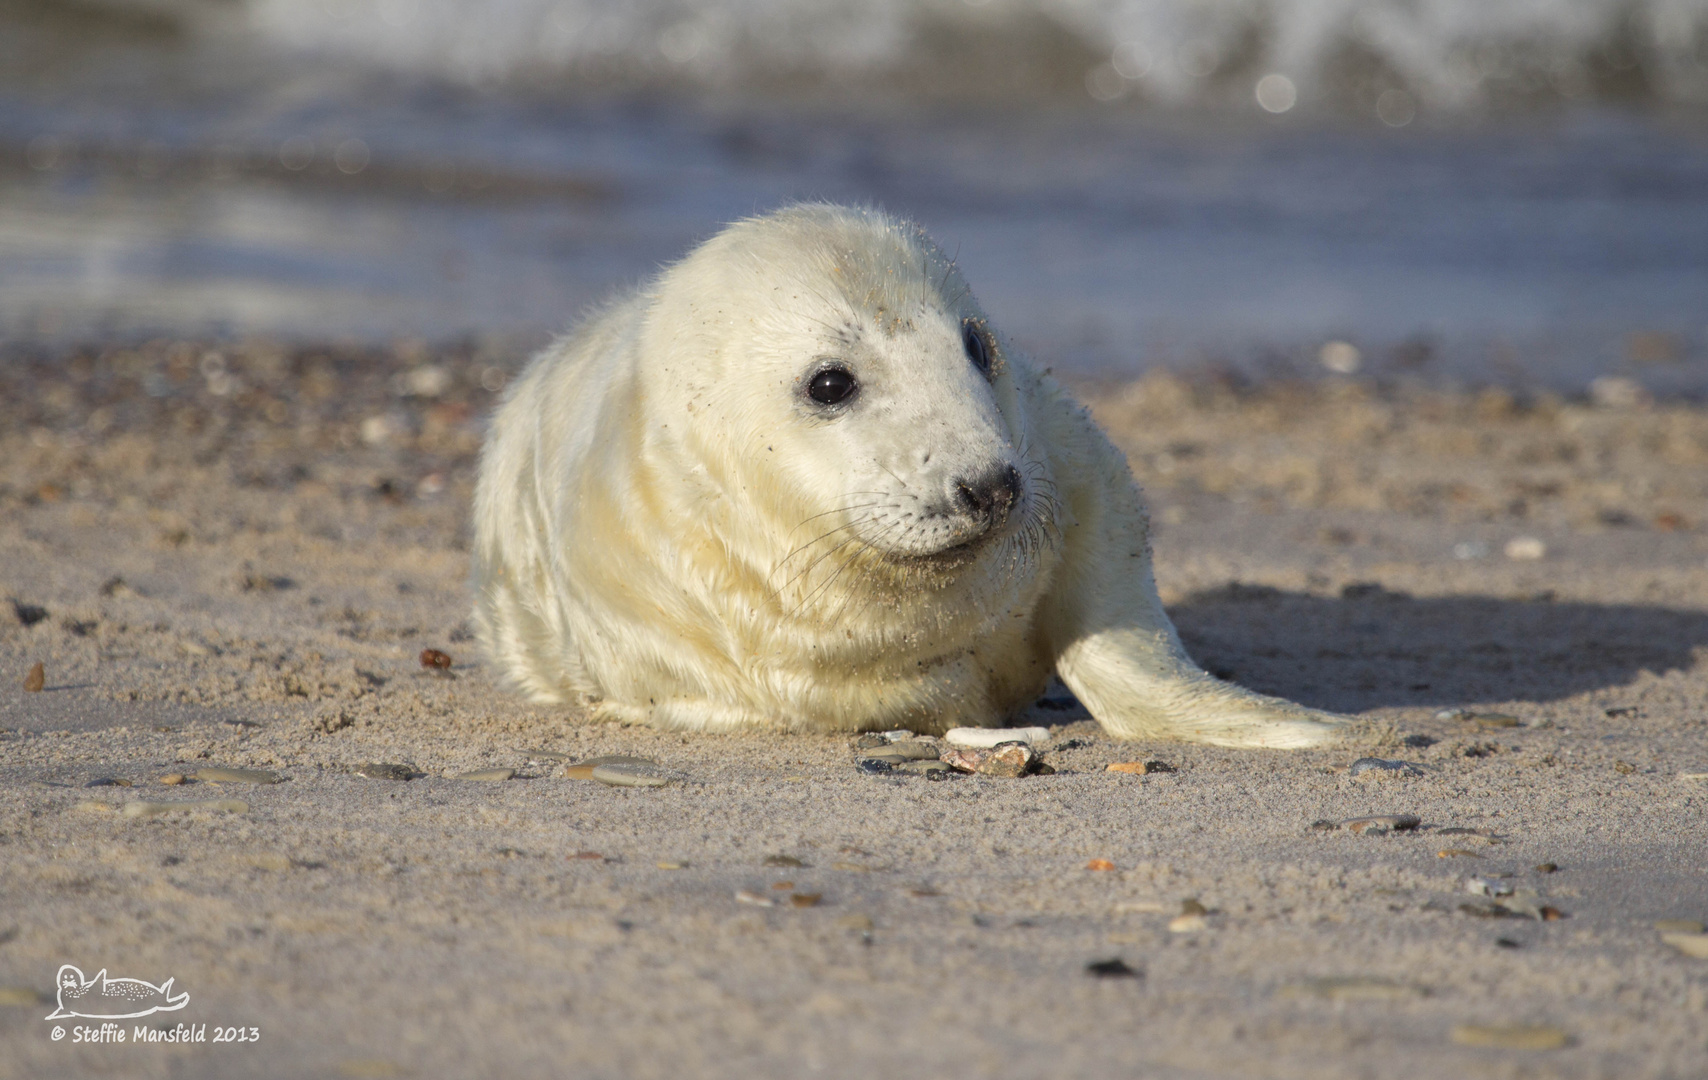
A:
[(1371, 648)]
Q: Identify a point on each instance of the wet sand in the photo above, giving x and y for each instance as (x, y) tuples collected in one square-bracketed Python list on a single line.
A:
[(233, 556)]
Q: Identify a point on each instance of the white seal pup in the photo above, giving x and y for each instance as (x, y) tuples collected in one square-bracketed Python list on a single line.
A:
[(799, 482)]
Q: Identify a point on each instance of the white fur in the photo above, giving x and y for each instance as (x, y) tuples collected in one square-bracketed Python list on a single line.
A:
[(669, 530)]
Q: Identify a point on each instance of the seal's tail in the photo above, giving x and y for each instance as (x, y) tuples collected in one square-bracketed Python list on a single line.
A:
[(178, 1002)]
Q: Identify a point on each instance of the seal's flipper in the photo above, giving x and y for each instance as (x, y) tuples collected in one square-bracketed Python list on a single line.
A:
[(1114, 645)]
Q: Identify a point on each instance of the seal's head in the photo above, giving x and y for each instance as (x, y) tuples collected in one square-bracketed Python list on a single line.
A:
[(843, 380)]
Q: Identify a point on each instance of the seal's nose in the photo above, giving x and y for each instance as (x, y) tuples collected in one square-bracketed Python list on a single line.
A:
[(990, 495)]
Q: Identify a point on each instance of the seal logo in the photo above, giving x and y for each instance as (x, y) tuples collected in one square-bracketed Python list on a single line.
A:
[(102, 998)]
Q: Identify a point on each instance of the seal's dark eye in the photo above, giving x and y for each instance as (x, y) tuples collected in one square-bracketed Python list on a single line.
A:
[(978, 349), (832, 386)]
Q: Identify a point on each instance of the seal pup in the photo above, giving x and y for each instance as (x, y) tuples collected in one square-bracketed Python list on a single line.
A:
[(798, 481)]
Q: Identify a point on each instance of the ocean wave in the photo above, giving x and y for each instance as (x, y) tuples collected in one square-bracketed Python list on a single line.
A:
[(1436, 54)]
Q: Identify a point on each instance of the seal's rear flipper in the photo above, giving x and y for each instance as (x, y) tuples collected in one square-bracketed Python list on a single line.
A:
[(178, 1002)]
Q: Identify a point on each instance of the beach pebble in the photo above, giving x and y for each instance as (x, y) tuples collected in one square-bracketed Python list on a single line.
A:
[(36, 678), (874, 766), (108, 781), (1100, 864), (782, 860), (1140, 768), (979, 737), (486, 774), (155, 809), (1456, 853), (434, 659), (1187, 924), (1692, 945), (583, 770), (218, 775), (1510, 1036), (925, 768), (1525, 549), (172, 779), (1383, 768), (385, 770), (1483, 886), (806, 899), (1354, 988), (1008, 761), (1112, 968), (619, 774), (748, 896), (1382, 824)]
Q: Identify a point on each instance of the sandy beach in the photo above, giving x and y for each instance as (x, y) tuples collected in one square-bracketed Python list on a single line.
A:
[(233, 556)]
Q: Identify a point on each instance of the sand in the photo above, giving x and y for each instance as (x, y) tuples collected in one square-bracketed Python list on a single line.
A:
[(233, 556)]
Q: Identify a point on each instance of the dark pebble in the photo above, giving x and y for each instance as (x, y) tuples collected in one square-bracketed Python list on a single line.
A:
[(1112, 968), (385, 770)]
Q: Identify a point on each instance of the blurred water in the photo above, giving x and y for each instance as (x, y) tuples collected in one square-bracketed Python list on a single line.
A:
[(158, 179)]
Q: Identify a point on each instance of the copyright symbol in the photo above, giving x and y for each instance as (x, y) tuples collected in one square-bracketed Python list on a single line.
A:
[(58, 1033)]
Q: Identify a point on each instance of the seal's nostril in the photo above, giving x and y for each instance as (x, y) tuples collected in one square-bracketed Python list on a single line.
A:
[(991, 494)]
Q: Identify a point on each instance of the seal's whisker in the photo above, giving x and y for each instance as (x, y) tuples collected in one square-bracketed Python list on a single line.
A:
[(828, 554)]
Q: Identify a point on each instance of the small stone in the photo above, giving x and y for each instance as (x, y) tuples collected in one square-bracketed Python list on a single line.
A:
[(1383, 768), (807, 899), (874, 766), (436, 660), (1487, 720), (1187, 924), (172, 779), (1679, 926), (1417, 742), (931, 770), (155, 809), (217, 775), (1550, 913), (915, 749), (980, 738), (587, 856), (486, 774), (108, 781), (1010, 761), (385, 770), (1624, 768), (583, 770), (1192, 906), (1382, 824), (1100, 864), (1354, 988), (858, 923), (625, 775), (1691, 945), (782, 860), (671, 865), (963, 760), (1112, 968), (748, 896), (1545, 868), (1483, 886), (1456, 853), (1510, 1036), (1525, 549), (1140, 768), (36, 679)]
